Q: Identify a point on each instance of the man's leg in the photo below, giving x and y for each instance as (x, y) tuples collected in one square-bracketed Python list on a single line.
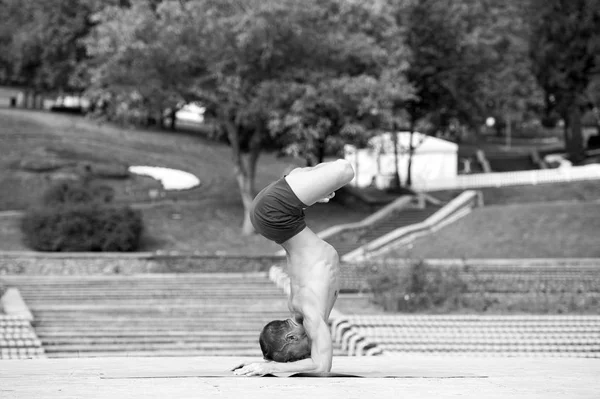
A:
[(315, 183)]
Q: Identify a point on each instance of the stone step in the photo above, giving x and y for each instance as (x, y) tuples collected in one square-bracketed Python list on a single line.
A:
[(138, 283), (257, 276), (170, 313), (247, 340), (174, 321), (479, 330), (235, 354), (142, 346), (492, 339), (491, 348), (124, 291), (157, 307), (111, 294), (150, 316), (202, 325), (167, 312), (95, 333)]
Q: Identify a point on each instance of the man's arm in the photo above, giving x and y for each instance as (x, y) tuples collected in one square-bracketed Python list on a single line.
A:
[(321, 351)]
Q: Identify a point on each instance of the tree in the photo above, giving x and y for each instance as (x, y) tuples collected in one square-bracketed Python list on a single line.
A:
[(40, 42), (143, 59), (350, 99), (256, 65), (506, 87), (442, 66), (565, 51)]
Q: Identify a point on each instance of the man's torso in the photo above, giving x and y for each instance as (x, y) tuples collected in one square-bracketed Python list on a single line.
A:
[(314, 278)]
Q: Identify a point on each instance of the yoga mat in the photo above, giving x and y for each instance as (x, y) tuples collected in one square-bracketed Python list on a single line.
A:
[(127, 374)]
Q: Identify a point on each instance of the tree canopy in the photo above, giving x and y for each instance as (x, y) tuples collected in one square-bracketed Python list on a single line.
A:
[(565, 51), (305, 77)]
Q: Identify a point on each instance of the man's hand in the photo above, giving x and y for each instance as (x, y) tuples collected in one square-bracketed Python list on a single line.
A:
[(253, 369)]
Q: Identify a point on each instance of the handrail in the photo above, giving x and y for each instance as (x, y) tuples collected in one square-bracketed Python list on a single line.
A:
[(398, 203), (458, 206)]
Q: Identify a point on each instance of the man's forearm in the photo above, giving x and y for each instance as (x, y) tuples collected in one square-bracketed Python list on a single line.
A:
[(300, 366)]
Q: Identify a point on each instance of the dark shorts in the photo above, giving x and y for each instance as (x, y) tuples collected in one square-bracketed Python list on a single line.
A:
[(277, 214)]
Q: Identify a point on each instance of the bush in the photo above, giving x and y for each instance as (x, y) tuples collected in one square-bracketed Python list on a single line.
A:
[(77, 192), (417, 287), (78, 216), (42, 164), (109, 171), (82, 227)]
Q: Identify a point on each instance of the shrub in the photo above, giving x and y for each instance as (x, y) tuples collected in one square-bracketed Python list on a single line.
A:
[(82, 227), (77, 192), (109, 171), (416, 287), (42, 164), (78, 216)]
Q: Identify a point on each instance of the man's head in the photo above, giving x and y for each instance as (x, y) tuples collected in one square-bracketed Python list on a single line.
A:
[(284, 341)]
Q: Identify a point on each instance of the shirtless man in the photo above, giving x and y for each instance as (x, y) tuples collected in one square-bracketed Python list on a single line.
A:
[(301, 343)]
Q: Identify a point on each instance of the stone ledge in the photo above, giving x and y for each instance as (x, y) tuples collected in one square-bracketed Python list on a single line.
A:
[(41, 263), (14, 305)]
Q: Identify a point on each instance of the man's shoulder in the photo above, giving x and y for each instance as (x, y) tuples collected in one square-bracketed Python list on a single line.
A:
[(306, 304)]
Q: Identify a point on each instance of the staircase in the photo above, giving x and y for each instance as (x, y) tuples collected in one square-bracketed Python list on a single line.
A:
[(349, 240), (151, 315), (483, 335)]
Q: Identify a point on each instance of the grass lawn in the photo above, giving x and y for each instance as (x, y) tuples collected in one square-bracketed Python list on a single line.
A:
[(76, 140), (515, 231), (208, 221)]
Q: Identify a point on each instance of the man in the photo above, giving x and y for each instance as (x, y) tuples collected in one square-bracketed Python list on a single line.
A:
[(301, 343)]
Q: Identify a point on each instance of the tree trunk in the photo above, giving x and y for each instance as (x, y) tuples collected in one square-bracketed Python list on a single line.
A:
[(574, 134), (160, 120), (245, 170), (508, 130), (26, 94), (410, 154), (320, 151), (248, 188), (173, 116), (246, 185), (395, 184)]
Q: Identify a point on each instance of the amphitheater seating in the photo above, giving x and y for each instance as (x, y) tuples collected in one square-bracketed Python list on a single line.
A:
[(18, 339), (151, 315), (473, 335), (505, 277)]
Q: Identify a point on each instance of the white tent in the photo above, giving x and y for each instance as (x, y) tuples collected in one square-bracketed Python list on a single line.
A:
[(433, 159)]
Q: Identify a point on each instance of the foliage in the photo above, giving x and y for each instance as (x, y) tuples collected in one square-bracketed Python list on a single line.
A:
[(417, 287), (507, 88), (305, 77), (76, 192), (40, 43), (77, 216), (269, 72), (82, 227), (565, 48)]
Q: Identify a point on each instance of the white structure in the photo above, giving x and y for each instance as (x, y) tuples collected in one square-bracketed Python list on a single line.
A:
[(171, 179), (433, 159)]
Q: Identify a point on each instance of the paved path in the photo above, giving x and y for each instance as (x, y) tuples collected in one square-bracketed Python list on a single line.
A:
[(482, 378)]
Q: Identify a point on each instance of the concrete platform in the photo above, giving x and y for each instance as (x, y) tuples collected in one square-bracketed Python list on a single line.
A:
[(424, 377)]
